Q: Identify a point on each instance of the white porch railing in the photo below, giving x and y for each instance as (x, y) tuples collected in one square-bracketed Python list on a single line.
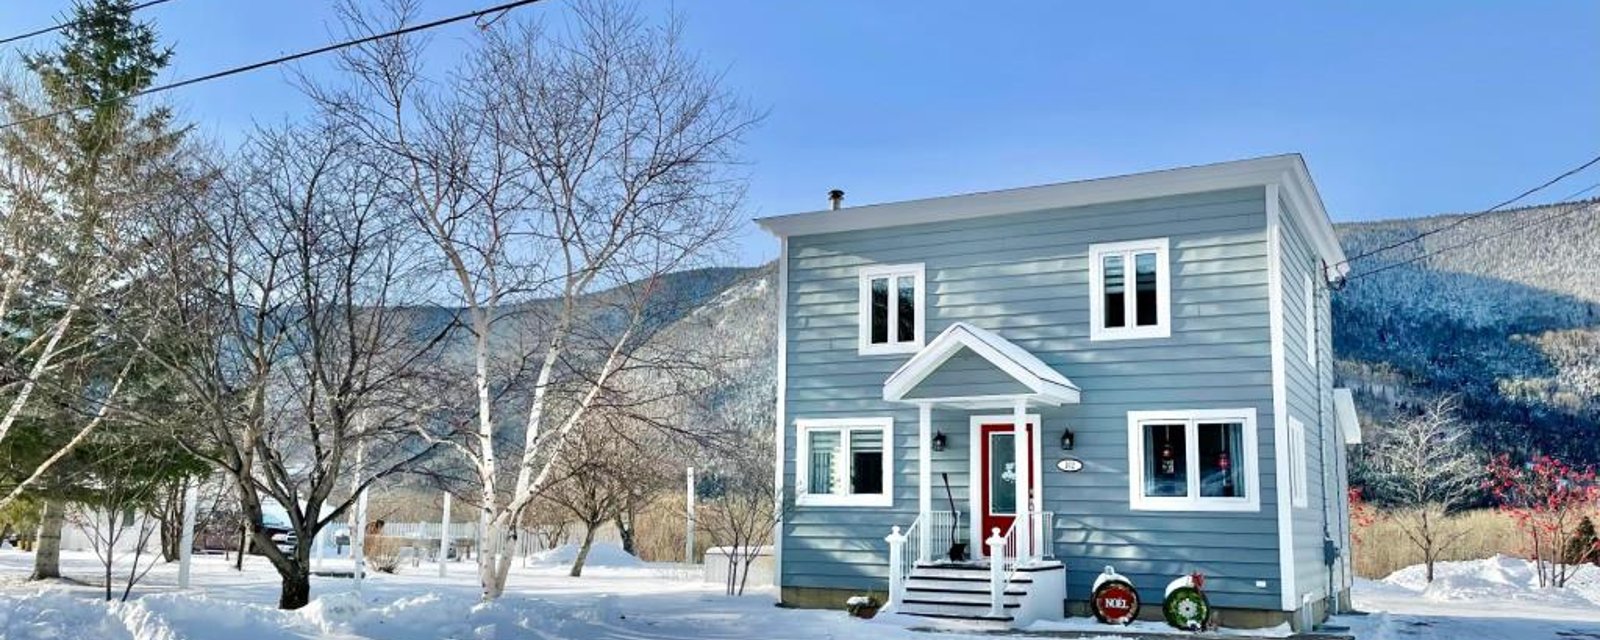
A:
[(942, 529)]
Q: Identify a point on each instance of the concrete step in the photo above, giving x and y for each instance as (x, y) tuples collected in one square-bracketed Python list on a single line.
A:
[(962, 622), (960, 573), (926, 589), (953, 607)]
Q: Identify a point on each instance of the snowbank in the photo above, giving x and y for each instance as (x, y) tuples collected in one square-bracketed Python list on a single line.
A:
[(55, 614), (1499, 578), (601, 554)]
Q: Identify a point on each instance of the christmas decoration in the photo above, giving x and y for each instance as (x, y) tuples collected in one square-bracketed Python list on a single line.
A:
[(1168, 464), (1185, 606), (1115, 601)]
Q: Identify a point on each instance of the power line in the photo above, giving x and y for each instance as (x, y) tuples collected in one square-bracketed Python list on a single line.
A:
[(275, 61), (1592, 207), (1468, 218), (64, 25)]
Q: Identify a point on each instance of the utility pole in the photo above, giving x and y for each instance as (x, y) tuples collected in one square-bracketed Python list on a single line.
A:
[(688, 540)]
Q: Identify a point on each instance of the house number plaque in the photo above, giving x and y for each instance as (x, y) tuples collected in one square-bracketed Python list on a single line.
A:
[(1070, 465)]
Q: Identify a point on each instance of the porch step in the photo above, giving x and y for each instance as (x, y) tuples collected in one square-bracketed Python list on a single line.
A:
[(960, 573), (934, 589), (983, 622)]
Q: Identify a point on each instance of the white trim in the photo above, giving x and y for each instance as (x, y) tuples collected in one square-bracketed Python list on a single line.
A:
[(1191, 419), (779, 443), (1308, 323), (1045, 384), (802, 468), (975, 475), (1128, 250), (1288, 170), (1297, 467), (1280, 398), (891, 272), (1344, 413)]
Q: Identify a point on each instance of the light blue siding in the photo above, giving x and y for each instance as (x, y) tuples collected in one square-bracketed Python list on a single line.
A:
[(1310, 400), (966, 374), (1025, 277)]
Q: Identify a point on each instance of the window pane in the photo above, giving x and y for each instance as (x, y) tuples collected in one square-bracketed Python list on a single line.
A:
[(880, 310), (1166, 473), (1111, 267), (866, 462), (1002, 473), (1222, 460), (907, 320), (1145, 302), (824, 461)]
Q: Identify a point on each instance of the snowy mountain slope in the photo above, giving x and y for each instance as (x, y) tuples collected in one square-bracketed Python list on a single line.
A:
[(1510, 324)]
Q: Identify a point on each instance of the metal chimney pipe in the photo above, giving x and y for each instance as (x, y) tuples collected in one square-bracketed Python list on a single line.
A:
[(835, 199)]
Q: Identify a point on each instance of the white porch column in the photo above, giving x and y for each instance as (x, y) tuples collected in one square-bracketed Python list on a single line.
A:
[(924, 481), (1021, 441)]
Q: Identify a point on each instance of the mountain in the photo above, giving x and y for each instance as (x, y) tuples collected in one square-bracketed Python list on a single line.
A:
[(1502, 311)]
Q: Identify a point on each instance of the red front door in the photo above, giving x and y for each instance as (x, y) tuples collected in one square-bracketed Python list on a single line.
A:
[(999, 480)]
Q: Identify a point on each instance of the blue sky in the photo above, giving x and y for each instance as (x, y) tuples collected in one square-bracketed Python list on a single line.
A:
[(1401, 109)]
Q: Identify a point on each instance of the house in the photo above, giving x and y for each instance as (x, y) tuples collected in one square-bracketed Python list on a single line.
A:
[(1160, 339)]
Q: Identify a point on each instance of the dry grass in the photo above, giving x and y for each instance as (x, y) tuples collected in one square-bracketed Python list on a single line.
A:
[(1381, 547)]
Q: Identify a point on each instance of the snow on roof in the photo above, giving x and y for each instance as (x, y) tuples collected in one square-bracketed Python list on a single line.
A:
[(1045, 382), (1344, 411)]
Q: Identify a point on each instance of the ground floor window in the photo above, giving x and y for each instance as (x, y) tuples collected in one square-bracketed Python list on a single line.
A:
[(1198, 460), (844, 462)]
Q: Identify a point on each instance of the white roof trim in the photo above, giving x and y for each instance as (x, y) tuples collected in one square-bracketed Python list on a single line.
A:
[(1344, 412), (1047, 385), (1287, 170)]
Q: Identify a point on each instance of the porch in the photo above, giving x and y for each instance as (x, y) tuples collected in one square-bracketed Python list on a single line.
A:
[(994, 561)]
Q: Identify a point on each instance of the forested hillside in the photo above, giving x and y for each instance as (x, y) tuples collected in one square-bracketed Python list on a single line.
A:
[(1510, 324)]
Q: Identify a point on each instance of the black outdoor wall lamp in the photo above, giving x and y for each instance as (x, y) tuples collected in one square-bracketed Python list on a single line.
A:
[(1066, 440), (938, 441)]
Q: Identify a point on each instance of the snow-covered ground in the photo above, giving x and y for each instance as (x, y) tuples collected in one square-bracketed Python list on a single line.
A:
[(1494, 598), (619, 597)]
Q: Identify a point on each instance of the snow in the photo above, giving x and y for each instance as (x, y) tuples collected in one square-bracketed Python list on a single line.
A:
[(1496, 597), (601, 554), (622, 597)]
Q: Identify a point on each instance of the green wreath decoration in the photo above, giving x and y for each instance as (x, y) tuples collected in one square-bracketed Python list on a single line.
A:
[(1186, 608)]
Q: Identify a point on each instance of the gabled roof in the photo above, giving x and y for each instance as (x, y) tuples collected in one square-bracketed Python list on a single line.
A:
[(1344, 414), (1046, 384), (1288, 171)]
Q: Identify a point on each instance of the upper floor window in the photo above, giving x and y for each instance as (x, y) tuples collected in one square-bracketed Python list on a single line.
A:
[(1130, 290), (1201, 460), (844, 462), (891, 315)]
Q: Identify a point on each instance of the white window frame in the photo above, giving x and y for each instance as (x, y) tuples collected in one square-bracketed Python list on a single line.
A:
[(1297, 464), (1131, 331), (864, 308), (1191, 419), (847, 426), (1311, 320)]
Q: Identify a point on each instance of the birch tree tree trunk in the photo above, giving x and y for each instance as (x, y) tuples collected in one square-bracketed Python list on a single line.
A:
[(47, 545), (566, 171)]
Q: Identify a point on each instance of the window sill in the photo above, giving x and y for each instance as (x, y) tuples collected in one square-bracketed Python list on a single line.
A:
[(815, 500), (1140, 333), (1203, 505), (901, 348)]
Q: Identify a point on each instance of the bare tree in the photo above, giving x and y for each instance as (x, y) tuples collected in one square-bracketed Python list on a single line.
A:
[(592, 484), (576, 167), (1423, 465), (289, 317)]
